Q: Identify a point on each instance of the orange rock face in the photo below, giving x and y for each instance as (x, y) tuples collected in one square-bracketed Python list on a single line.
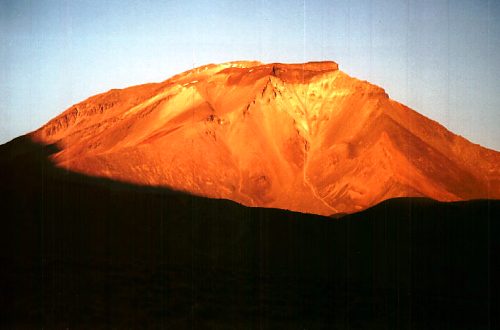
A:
[(305, 137)]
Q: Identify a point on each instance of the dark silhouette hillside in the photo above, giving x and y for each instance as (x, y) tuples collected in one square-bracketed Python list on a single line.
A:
[(85, 252)]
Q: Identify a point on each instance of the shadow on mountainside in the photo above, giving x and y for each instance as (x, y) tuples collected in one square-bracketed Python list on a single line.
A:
[(84, 252)]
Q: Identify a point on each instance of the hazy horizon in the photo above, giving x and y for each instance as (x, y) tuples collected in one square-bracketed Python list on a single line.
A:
[(437, 57)]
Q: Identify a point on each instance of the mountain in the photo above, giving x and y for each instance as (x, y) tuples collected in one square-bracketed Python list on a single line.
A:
[(95, 233), (304, 137)]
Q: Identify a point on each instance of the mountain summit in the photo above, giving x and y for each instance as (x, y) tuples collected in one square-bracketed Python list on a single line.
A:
[(305, 137)]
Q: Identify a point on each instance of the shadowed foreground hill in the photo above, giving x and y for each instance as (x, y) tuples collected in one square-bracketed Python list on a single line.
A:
[(83, 252)]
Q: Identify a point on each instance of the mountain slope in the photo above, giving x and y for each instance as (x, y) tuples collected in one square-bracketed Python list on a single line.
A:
[(305, 137)]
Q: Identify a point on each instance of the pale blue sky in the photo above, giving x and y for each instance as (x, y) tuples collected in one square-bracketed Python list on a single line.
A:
[(442, 58)]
